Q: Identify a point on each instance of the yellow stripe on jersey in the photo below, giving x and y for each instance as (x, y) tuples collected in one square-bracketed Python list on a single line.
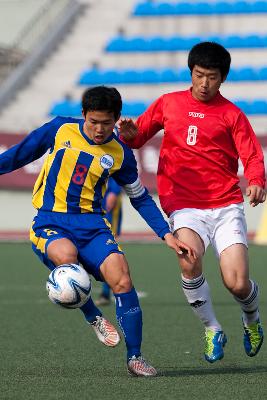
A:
[(74, 176), (96, 170), (40, 184), (63, 180)]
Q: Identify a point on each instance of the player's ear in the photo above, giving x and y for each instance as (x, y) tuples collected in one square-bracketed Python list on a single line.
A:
[(83, 114)]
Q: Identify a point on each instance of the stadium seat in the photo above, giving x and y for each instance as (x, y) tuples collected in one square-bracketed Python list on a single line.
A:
[(262, 74), (258, 107), (203, 8), (243, 105), (164, 8), (157, 43), (169, 75), (116, 44), (242, 7), (247, 74), (184, 75), (149, 75), (259, 7), (144, 9)]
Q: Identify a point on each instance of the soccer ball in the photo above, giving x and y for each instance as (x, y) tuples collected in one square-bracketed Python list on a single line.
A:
[(69, 286)]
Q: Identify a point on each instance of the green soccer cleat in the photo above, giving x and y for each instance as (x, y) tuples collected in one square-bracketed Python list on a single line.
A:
[(253, 338), (215, 342)]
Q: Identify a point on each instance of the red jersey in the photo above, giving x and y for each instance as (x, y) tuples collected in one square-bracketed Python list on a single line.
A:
[(199, 154)]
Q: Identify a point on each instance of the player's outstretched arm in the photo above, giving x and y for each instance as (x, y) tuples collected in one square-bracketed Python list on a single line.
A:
[(179, 247), (256, 195)]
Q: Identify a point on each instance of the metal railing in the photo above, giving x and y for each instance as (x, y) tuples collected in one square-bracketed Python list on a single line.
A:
[(30, 35)]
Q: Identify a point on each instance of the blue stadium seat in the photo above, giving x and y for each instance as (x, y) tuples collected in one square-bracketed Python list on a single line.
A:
[(183, 8), (130, 76), (133, 109), (233, 75), (66, 108), (168, 75), (232, 41), (262, 74), (157, 43), (89, 77), (258, 106), (136, 44), (254, 41), (184, 43), (242, 7), (184, 75), (243, 105), (203, 8), (259, 7), (144, 9), (116, 44), (150, 75), (247, 74), (164, 9), (223, 7)]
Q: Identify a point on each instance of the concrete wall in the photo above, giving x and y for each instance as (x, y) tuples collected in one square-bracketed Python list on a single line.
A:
[(17, 213)]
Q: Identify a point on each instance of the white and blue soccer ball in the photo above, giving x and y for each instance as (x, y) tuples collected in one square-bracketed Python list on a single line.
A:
[(69, 286)]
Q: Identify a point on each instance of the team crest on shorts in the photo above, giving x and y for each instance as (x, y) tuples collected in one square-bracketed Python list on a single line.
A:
[(106, 161)]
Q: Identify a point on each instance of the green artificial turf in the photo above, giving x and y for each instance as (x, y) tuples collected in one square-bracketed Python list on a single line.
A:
[(50, 353)]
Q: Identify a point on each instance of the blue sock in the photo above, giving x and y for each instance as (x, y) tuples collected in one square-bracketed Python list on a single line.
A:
[(129, 317), (105, 290), (90, 311)]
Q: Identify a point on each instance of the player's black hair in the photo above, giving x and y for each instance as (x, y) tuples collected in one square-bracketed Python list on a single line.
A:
[(210, 55), (102, 98)]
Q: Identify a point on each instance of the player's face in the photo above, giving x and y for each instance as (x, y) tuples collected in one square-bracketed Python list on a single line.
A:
[(98, 125), (205, 83)]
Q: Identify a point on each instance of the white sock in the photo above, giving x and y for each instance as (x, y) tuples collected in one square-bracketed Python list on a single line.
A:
[(198, 296), (250, 305)]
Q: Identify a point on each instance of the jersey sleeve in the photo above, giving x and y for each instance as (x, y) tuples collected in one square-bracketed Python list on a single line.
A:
[(31, 148), (149, 123), (128, 178), (250, 151)]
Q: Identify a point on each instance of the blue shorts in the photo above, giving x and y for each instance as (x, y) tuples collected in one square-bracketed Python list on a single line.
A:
[(90, 233)]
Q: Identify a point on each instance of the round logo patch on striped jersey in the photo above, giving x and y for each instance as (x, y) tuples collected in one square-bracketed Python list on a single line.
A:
[(106, 161)]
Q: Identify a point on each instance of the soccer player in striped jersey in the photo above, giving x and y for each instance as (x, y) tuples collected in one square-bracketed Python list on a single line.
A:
[(204, 136), (70, 227)]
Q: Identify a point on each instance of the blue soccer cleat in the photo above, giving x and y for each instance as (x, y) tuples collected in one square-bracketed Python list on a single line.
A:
[(215, 342), (253, 338)]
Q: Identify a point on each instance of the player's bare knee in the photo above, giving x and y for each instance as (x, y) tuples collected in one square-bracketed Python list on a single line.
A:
[(67, 256), (62, 253), (238, 289), (191, 270)]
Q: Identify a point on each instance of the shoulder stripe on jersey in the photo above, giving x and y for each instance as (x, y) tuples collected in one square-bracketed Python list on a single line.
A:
[(135, 189)]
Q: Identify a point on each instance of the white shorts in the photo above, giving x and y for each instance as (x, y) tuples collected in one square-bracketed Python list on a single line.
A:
[(220, 227)]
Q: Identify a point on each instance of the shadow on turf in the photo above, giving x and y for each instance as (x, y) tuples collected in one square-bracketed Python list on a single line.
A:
[(213, 371)]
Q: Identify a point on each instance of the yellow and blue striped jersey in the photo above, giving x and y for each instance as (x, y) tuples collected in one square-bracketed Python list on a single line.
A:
[(74, 175)]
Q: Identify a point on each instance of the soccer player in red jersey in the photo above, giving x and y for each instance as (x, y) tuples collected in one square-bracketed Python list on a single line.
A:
[(204, 136)]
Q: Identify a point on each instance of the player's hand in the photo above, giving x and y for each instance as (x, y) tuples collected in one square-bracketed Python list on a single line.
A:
[(127, 128), (181, 248), (256, 195)]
